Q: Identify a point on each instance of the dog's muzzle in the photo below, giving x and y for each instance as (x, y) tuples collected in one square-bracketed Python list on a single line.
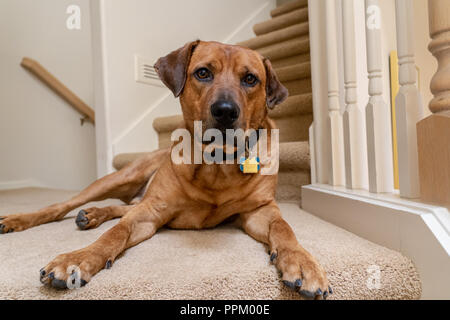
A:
[(225, 112)]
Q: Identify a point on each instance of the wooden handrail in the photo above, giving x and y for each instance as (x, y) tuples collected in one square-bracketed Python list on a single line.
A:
[(58, 87)]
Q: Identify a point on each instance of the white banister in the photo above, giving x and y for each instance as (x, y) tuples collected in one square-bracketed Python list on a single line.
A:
[(379, 139), (354, 132), (316, 11), (408, 103), (337, 163)]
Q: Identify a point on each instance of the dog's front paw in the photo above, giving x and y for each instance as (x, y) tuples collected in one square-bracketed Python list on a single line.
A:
[(16, 222), (301, 272), (73, 270)]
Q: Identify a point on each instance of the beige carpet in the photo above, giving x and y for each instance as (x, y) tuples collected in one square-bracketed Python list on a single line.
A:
[(223, 263)]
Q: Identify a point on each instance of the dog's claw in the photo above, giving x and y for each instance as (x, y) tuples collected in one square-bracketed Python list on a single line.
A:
[(273, 256), (289, 284), (298, 283), (81, 219), (59, 284), (1, 228), (108, 264)]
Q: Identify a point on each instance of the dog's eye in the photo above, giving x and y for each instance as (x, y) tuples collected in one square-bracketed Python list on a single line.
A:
[(249, 80), (203, 74)]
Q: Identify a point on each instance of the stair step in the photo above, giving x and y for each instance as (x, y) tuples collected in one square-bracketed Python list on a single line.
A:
[(290, 184), (297, 87), (288, 7), (282, 21), (294, 72), (283, 62), (294, 156), (267, 39), (294, 128), (288, 48), (294, 105), (167, 124)]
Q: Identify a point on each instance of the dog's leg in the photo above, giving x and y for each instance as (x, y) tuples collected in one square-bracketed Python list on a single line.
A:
[(123, 184), (139, 224), (300, 270), (93, 217)]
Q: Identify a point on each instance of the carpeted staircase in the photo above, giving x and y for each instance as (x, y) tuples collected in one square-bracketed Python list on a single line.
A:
[(284, 39)]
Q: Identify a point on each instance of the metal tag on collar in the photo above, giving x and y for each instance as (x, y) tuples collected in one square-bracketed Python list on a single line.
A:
[(250, 165)]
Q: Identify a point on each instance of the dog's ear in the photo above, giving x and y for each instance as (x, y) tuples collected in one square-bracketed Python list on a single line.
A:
[(276, 93), (172, 68)]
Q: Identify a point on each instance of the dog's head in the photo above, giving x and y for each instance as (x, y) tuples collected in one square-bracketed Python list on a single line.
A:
[(224, 86)]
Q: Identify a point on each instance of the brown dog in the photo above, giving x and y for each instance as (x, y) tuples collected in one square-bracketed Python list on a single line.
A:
[(225, 87)]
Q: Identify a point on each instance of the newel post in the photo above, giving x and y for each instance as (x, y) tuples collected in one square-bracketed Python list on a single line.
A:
[(379, 139), (433, 133), (408, 103)]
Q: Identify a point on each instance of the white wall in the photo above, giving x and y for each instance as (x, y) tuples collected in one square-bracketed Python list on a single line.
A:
[(41, 140), (121, 29)]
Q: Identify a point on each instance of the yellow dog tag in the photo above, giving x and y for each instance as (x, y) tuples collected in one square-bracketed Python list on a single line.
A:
[(249, 165)]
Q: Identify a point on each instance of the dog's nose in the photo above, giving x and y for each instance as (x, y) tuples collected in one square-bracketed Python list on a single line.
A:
[(225, 112)]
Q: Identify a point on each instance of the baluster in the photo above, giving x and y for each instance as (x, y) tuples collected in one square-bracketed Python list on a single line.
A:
[(433, 133), (354, 131), (408, 103), (318, 78), (337, 163), (379, 138)]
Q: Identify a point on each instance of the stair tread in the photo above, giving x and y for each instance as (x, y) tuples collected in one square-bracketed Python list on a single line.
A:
[(294, 105), (288, 61), (287, 7), (294, 72), (291, 47), (294, 156), (296, 30), (282, 21), (168, 123)]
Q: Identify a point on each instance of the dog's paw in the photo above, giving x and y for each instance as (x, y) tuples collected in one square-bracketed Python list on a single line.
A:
[(91, 218), (73, 270), (302, 273), (15, 222)]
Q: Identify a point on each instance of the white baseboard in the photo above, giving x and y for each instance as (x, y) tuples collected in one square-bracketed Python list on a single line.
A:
[(419, 231), (17, 184)]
